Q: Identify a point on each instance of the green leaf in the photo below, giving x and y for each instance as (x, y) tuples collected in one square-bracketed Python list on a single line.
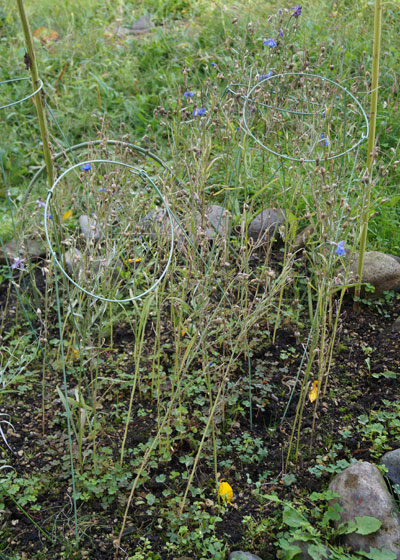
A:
[(366, 525), (317, 551), (293, 518), (289, 550), (378, 554), (272, 498)]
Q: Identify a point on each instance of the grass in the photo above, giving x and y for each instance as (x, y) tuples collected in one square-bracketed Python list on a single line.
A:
[(146, 397)]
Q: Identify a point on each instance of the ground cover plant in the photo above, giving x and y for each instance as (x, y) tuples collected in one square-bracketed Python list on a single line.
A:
[(176, 383)]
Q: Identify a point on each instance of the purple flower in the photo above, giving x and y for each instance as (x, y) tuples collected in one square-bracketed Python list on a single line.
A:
[(323, 137), (18, 263), (188, 94), (50, 216), (40, 203), (340, 250), (86, 167), (264, 76), (280, 32), (269, 43), (213, 64), (199, 112), (297, 11)]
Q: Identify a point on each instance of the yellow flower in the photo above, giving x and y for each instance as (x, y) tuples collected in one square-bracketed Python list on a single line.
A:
[(225, 491), (313, 394), (66, 216)]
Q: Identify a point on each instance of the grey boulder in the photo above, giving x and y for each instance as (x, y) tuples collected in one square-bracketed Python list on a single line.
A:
[(363, 492), (240, 555), (391, 460), (218, 221), (380, 270), (265, 225), (89, 228)]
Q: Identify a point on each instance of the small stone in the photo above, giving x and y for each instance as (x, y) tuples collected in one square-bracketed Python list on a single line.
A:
[(89, 227), (217, 221), (396, 325), (301, 238), (266, 223), (363, 492), (391, 460), (240, 555)]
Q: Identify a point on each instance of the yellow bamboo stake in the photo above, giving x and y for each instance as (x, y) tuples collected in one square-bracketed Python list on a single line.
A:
[(30, 62), (371, 139)]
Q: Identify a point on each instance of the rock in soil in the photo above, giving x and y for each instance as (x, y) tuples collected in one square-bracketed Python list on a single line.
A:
[(391, 460), (29, 248), (240, 555), (363, 491), (380, 270), (89, 228), (266, 223), (217, 221)]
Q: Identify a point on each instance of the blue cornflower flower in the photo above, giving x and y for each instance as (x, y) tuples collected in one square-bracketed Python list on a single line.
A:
[(199, 112), (269, 43), (213, 64), (18, 263), (297, 11), (280, 32), (323, 137), (86, 167), (264, 76), (40, 203), (340, 250), (188, 94)]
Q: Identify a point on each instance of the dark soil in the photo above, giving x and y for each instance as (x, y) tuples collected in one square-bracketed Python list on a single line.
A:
[(40, 444)]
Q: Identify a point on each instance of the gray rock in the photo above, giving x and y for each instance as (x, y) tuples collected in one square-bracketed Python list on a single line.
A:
[(396, 325), (89, 227), (395, 257), (30, 248), (391, 460), (73, 258), (363, 491), (157, 221), (240, 555), (302, 238), (139, 27), (218, 221), (380, 270), (266, 223)]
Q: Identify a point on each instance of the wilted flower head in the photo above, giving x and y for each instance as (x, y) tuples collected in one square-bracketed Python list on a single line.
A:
[(199, 112), (86, 167), (188, 94), (280, 32), (297, 11), (40, 203), (269, 43), (18, 263)]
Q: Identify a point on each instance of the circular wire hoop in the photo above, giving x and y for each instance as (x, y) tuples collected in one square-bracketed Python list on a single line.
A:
[(138, 172), (248, 102), (24, 98)]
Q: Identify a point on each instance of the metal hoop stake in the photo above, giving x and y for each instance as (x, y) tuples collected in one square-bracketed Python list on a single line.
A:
[(248, 100), (138, 172), (24, 98)]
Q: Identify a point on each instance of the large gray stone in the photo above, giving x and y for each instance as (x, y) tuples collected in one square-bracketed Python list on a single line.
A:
[(363, 492), (380, 270), (266, 223), (30, 248), (391, 460), (240, 555)]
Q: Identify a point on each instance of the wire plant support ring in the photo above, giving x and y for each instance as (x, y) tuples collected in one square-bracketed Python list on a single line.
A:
[(54, 218), (24, 98), (321, 130)]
